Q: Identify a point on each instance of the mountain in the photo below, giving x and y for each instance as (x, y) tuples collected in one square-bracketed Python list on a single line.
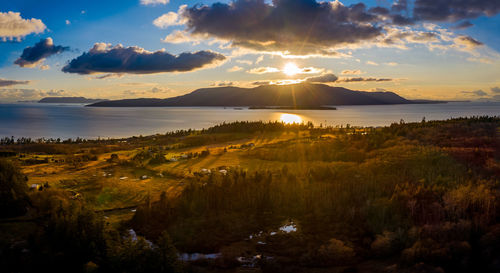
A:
[(69, 100), (302, 94)]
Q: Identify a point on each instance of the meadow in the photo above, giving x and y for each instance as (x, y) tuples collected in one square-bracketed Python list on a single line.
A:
[(257, 197)]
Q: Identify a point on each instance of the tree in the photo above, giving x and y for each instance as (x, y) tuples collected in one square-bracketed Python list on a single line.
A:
[(13, 190)]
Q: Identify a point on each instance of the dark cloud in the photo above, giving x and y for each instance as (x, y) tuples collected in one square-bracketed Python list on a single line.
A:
[(379, 10), (463, 25), (261, 83), (479, 93), (361, 79), (222, 84), (325, 78), (297, 26), (495, 89), (401, 20), (4, 82), (34, 55), (135, 60), (400, 5), (454, 10)]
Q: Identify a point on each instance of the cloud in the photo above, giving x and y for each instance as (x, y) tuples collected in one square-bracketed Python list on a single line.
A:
[(13, 26), (392, 64), (303, 70), (495, 89), (371, 63), (351, 72), (14, 94), (400, 5), (155, 92), (103, 58), (235, 69), (180, 36), (109, 76), (154, 2), (463, 25), (454, 10), (325, 78), (261, 83), (170, 19), (263, 70), (298, 27), (259, 59), (361, 79), (222, 84), (4, 82), (478, 93), (35, 55), (67, 22), (467, 43), (247, 62)]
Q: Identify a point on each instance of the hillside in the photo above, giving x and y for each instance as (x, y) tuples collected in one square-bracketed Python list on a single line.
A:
[(69, 100), (303, 94)]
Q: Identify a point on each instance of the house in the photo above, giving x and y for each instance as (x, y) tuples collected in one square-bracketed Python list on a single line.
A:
[(173, 159), (35, 187), (144, 177), (223, 172), (205, 171), (184, 156)]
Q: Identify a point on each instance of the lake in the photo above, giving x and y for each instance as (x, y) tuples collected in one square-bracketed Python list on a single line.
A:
[(71, 121)]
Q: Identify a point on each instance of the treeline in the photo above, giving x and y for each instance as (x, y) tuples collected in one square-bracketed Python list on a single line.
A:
[(395, 193), (67, 236)]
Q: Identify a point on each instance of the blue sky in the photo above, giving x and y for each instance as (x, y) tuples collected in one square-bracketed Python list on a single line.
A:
[(448, 63)]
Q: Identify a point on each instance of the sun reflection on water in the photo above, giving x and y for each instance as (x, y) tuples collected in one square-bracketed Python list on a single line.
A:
[(290, 118)]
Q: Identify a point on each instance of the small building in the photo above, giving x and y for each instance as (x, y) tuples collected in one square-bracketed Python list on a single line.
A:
[(173, 159), (223, 172), (205, 171), (144, 177), (35, 187)]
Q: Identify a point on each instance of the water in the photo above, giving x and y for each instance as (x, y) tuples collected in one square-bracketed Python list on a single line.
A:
[(71, 121)]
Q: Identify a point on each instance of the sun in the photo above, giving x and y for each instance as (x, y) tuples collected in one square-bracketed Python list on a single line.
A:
[(290, 119), (291, 69)]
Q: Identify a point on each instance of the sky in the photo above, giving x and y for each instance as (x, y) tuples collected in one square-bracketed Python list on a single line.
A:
[(117, 49)]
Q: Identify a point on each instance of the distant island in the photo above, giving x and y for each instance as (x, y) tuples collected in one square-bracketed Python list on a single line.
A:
[(292, 108), (299, 95), (69, 100)]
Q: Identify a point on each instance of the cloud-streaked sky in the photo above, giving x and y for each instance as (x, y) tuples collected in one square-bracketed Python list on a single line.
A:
[(421, 49)]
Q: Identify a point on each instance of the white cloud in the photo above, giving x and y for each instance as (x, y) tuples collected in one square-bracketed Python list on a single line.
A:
[(13, 26), (154, 2), (15, 94), (235, 69), (352, 72), (372, 63), (247, 62), (170, 18), (68, 22), (259, 59), (179, 37), (263, 70)]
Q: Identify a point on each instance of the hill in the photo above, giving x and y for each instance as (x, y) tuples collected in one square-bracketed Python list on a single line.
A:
[(69, 100), (303, 94)]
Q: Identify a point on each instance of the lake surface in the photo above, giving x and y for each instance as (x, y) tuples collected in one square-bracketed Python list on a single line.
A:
[(71, 121)]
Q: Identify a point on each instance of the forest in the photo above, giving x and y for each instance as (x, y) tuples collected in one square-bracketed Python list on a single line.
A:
[(257, 197)]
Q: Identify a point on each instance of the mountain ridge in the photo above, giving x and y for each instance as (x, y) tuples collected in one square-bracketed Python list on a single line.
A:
[(69, 100), (302, 94)]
